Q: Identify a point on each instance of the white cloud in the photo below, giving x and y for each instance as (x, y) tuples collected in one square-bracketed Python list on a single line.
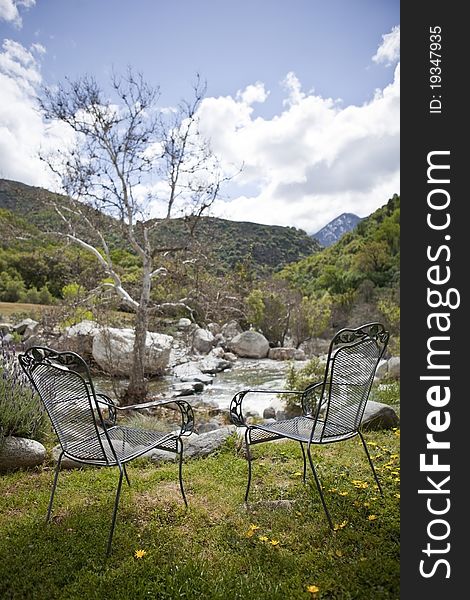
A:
[(303, 167), (9, 10), (253, 93), (313, 161), (389, 50), (23, 133)]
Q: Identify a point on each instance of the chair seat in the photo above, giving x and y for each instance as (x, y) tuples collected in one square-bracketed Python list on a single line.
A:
[(300, 429), (127, 443)]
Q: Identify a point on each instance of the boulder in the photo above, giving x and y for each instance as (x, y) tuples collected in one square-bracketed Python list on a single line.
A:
[(250, 344), (389, 369), (212, 365), (393, 370), (83, 328), (66, 463), (5, 328), (26, 328), (184, 324), (203, 341), (379, 416), (214, 328), (113, 350), (206, 443), (189, 372), (269, 413), (20, 453), (187, 388), (79, 337), (281, 353), (299, 354), (230, 330)]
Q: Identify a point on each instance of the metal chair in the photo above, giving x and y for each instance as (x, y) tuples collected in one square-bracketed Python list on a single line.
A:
[(332, 409), (85, 421)]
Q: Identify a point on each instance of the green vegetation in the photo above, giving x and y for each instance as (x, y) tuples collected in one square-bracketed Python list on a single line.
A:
[(216, 549), (360, 272), (21, 411)]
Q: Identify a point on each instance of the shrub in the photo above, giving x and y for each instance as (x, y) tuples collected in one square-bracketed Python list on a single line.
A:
[(21, 411), (299, 379)]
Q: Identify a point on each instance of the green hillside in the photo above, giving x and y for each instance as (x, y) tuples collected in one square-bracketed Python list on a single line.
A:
[(370, 253), (269, 248)]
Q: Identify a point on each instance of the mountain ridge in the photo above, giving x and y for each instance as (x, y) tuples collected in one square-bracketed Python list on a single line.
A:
[(335, 229), (268, 247)]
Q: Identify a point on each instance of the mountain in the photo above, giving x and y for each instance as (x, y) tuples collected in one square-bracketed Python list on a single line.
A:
[(336, 228), (267, 248), (368, 253)]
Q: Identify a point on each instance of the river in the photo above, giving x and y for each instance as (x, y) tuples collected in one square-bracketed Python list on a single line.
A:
[(245, 373)]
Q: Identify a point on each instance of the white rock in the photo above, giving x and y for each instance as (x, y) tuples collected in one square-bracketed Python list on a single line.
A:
[(20, 453), (203, 341), (250, 344), (83, 328), (113, 350), (190, 372)]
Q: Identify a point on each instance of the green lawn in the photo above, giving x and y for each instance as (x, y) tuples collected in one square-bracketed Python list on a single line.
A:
[(217, 549)]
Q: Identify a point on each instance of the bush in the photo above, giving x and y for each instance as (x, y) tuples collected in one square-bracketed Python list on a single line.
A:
[(299, 379), (21, 411)]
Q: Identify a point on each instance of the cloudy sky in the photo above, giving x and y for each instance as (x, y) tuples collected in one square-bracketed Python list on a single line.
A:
[(304, 93)]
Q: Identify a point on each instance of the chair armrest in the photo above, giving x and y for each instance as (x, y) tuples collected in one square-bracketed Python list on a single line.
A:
[(311, 399), (111, 406), (236, 412), (187, 414)]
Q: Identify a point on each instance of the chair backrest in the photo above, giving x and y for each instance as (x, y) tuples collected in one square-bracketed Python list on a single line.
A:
[(353, 358), (63, 382)]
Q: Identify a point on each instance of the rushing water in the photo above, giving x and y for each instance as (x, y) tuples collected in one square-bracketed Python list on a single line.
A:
[(245, 374)]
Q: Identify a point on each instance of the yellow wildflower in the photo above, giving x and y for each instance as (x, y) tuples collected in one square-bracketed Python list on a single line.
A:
[(251, 531), (274, 542), (372, 517), (263, 538), (343, 493), (140, 553), (340, 526), (313, 589)]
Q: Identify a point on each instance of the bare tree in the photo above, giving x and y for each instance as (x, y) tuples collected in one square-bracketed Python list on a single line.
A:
[(122, 144)]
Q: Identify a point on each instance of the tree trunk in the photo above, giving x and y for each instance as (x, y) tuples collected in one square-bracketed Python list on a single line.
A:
[(138, 385)]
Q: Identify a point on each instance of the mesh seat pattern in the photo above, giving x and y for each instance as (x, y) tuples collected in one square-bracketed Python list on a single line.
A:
[(126, 443), (300, 429), (69, 404)]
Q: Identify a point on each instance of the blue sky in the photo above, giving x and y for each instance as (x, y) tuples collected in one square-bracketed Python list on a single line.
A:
[(306, 93)]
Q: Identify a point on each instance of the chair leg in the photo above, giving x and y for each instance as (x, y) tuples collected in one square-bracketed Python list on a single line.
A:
[(305, 462), (56, 477), (248, 458), (116, 504), (371, 463), (126, 475), (317, 481), (180, 471)]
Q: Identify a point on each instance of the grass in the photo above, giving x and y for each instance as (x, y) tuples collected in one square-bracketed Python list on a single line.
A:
[(216, 549), (11, 308)]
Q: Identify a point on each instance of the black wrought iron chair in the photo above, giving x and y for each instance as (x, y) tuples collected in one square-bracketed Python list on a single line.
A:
[(332, 409), (85, 421)]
